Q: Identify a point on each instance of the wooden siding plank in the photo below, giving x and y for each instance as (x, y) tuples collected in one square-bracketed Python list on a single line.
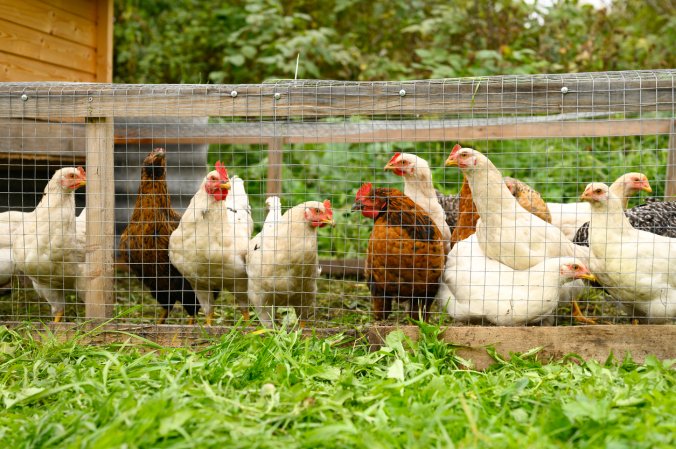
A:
[(48, 19), (104, 35), (32, 44), (633, 92), (99, 251), (17, 68), (83, 8)]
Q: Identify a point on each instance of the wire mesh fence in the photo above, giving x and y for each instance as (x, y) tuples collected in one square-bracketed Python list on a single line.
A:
[(182, 226)]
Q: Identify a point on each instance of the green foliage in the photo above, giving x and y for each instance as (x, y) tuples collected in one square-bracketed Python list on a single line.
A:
[(190, 41), (282, 390)]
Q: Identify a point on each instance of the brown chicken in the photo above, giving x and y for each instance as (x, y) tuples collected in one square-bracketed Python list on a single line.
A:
[(468, 216), (144, 244), (405, 253), (528, 198)]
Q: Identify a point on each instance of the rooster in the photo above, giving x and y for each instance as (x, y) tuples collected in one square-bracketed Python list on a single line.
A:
[(282, 262), (144, 244), (636, 267), (405, 253), (210, 243), (45, 246), (569, 217), (418, 186)]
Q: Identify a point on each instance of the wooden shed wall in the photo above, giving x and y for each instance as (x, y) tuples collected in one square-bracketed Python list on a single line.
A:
[(56, 40)]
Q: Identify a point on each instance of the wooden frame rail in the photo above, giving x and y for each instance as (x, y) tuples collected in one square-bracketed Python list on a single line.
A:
[(612, 92), (472, 342), (74, 121)]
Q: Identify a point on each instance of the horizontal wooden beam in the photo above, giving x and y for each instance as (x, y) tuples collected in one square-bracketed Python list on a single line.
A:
[(617, 92), (68, 140), (554, 343), (589, 342)]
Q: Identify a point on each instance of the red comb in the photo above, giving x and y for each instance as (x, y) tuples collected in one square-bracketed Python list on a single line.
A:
[(394, 158), (220, 168), (82, 172), (455, 149), (364, 190), (327, 206)]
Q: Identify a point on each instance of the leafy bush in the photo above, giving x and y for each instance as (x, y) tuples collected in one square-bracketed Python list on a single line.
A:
[(190, 41)]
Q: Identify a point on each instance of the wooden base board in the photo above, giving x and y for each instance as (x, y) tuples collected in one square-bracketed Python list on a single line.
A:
[(554, 343)]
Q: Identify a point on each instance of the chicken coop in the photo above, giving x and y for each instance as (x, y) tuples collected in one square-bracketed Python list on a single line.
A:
[(476, 204)]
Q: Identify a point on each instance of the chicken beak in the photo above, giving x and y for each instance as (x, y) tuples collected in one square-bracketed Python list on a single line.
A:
[(357, 207), (330, 222), (225, 185), (82, 183), (388, 166), (586, 196), (451, 161), (589, 277), (647, 188)]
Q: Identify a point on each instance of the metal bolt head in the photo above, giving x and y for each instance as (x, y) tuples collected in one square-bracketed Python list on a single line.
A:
[(402, 93), (233, 94), (90, 99), (564, 90), (278, 96), (24, 97)]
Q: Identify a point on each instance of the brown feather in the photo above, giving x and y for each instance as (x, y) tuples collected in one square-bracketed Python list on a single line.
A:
[(405, 255), (144, 244), (467, 215)]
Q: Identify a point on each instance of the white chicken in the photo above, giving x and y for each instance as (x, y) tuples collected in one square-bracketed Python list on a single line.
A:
[(506, 231), (637, 268), (9, 222), (418, 186), (44, 244), (81, 228), (570, 216), (210, 243), (477, 289), (282, 263)]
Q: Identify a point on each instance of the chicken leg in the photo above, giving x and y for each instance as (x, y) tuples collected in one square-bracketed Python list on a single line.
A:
[(164, 313), (579, 316)]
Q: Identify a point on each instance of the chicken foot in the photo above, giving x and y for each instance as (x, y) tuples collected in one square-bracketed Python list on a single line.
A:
[(579, 316), (164, 313)]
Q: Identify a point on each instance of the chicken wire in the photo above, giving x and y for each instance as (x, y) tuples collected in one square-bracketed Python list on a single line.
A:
[(321, 140)]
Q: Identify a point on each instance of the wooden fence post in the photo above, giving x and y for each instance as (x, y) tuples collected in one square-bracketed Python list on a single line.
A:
[(670, 187), (99, 259), (275, 159)]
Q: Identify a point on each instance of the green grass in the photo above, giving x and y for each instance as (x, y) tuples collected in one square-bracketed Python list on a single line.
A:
[(281, 390)]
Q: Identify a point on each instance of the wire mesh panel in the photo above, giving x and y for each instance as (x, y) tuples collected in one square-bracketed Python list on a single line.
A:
[(340, 204)]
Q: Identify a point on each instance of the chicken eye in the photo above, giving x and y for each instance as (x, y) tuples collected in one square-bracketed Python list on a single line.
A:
[(575, 267), (598, 191), (316, 210)]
